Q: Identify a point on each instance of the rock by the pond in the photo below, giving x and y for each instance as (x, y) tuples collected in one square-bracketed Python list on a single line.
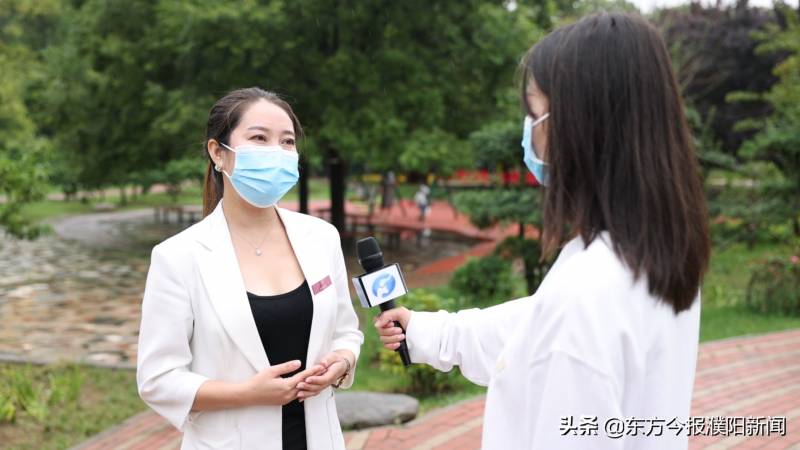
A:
[(370, 409)]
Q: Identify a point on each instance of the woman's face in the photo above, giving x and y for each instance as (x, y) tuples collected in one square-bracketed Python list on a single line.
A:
[(263, 123), (539, 105)]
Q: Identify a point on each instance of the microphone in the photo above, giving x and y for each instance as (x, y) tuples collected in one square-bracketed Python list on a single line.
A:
[(380, 284)]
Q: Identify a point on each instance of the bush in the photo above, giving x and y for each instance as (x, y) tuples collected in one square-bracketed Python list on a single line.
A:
[(422, 379), (484, 282), (530, 251), (775, 287)]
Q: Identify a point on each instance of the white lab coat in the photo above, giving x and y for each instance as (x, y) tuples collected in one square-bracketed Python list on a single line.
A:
[(589, 342), (197, 325)]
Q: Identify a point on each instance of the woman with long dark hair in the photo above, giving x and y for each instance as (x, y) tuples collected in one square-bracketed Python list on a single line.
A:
[(603, 354), (247, 323)]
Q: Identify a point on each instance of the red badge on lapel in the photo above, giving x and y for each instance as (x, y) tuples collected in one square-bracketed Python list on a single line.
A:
[(321, 285)]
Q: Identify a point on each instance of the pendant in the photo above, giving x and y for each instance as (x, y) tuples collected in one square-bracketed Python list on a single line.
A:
[(258, 252)]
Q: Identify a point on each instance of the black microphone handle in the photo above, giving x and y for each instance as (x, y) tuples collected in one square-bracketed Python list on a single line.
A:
[(403, 349)]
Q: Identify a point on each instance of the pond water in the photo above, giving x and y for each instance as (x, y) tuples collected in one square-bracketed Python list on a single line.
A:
[(76, 294)]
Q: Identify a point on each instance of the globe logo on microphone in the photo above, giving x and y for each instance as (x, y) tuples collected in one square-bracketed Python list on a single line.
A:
[(383, 285)]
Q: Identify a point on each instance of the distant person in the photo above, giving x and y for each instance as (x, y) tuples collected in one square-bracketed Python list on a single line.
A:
[(611, 334), (388, 187), (422, 199), (247, 323)]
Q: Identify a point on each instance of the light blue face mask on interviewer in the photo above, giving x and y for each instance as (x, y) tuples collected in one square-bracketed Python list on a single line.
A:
[(537, 167), (263, 174)]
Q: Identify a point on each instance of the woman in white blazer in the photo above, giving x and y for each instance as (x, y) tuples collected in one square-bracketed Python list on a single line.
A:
[(247, 323), (602, 355)]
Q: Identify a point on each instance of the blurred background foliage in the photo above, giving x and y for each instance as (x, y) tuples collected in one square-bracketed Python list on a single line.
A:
[(101, 94), (113, 94)]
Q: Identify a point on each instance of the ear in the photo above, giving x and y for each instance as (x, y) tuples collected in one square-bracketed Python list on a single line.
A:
[(215, 151)]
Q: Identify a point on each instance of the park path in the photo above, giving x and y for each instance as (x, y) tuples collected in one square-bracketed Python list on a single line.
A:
[(756, 376)]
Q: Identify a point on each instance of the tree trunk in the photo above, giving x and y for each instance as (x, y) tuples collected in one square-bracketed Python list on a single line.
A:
[(529, 267), (304, 185), (337, 175)]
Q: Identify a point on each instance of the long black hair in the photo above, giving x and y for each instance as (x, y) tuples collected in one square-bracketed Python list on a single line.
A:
[(620, 152)]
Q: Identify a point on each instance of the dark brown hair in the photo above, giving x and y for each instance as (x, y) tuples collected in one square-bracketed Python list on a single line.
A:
[(222, 120), (619, 151)]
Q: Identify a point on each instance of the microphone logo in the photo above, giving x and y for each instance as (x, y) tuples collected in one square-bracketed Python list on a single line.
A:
[(383, 285)]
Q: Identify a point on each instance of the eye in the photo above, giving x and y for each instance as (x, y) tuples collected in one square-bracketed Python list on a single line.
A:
[(259, 137), (288, 141)]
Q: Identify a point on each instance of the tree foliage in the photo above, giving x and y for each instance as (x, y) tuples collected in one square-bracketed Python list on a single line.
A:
[(714, 53), (23, 151), (777, 140)]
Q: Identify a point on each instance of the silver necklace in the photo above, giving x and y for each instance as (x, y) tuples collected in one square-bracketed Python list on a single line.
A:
[(256, 247)]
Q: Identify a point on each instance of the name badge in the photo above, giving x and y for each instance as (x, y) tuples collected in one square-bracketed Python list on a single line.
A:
[(321, 285)]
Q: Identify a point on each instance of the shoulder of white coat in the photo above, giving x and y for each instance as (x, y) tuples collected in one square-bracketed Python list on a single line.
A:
[(589, 309), (314, 225), (592, 293), (594, 270)]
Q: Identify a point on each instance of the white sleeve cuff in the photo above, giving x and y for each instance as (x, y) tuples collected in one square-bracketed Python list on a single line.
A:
[(424, 335)]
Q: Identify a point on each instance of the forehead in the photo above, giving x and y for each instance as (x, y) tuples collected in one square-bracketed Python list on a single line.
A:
[(268, 115)]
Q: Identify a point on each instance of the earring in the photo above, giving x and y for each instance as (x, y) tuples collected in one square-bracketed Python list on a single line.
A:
[(217, 168)]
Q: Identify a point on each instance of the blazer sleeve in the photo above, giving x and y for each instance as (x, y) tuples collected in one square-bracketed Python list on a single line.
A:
[(347, 335), (163, 377), (471, 339)]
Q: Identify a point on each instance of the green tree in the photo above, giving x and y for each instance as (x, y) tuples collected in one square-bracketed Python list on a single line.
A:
[(400, 85), (777, 140), (397, 86), (23, 150), (519, 205), (96, 100), (714, 52)]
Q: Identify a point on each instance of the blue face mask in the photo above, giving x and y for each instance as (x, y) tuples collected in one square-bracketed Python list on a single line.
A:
[(537, 167), (262, 175)]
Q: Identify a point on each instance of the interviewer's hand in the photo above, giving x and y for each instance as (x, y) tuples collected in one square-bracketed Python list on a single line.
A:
[(269, 388), (390, 334)]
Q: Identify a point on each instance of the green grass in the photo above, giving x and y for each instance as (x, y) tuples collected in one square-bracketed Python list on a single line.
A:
[(369, 377), (723, 312), (58, 406), (192, 195), (53, 209), (720, 322), (319, 189)]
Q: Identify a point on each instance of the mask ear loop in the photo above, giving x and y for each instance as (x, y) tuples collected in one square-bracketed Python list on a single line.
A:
[(217, 167), (531, 125), (534, 123)]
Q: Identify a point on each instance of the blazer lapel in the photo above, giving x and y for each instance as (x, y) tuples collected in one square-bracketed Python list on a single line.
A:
[(313, 260), (223, 281)]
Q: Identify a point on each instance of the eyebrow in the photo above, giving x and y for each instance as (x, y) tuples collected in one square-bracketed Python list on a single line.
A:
[(284, 132)]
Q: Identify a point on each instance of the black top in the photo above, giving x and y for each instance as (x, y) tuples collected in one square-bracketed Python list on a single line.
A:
[(284, 325)]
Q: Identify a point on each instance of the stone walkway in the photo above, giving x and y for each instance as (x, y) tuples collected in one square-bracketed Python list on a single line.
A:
[(742, 377)]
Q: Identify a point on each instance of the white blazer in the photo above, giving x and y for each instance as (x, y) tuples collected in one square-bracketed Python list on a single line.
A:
[(590, 342), (197, 325)]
